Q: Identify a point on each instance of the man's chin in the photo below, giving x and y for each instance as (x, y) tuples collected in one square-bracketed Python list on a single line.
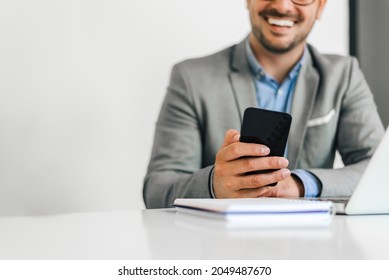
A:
[(278, 49), (276, 45)]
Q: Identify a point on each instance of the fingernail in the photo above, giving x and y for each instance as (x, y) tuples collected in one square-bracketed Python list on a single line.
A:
[(237, 137), (283, 162), (285, 173), (265, 150)]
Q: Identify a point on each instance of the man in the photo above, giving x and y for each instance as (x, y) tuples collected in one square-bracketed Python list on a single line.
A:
[(274, 68)]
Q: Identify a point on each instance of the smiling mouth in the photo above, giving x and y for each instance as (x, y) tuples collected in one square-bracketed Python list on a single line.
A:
[(280, 22)]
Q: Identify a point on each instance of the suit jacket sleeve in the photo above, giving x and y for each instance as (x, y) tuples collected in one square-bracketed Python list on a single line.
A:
[(175, 168), (358, 134)]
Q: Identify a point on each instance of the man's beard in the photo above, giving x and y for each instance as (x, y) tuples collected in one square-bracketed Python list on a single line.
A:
[(274, 48)]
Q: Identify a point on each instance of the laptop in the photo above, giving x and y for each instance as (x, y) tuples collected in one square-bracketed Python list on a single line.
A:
[(371, 195)]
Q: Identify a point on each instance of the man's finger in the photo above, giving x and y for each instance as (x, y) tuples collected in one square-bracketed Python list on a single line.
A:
[(249, 164), (239, 149), (261, 180), (231, 137)]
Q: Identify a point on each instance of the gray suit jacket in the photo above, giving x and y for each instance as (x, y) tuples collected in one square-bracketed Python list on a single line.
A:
[(333, 109)]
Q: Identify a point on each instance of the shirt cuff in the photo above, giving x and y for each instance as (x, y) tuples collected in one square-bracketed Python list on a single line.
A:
[(210, 184), (312, 185)]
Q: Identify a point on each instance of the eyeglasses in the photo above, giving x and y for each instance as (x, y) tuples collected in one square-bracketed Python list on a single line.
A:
[(299, 2)]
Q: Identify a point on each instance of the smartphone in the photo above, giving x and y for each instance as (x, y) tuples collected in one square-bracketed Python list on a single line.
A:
[(266, 127)]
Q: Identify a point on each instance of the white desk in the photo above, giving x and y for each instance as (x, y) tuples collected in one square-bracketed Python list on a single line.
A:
[(163, 234)]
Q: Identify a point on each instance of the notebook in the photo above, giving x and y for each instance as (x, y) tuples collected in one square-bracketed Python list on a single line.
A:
[(371, 195), (259, 212)]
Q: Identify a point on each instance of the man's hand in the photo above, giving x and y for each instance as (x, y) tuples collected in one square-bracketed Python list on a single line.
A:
[(235, 159)]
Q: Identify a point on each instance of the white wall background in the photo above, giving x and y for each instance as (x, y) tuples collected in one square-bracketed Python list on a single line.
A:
[(81, 83)]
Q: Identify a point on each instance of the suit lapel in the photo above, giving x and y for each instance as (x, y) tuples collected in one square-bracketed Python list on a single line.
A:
[(241, 80), (302, 104)]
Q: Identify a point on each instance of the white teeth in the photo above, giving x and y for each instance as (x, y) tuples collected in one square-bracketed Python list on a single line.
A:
[(280, 22)]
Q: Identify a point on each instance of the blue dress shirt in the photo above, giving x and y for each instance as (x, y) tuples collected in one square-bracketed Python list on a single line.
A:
[(271, 95)]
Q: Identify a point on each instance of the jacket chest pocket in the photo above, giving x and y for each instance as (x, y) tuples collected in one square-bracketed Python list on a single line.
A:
[(319, 145)]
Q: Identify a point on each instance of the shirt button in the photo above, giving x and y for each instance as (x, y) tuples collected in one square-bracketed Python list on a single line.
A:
[(280, 92)]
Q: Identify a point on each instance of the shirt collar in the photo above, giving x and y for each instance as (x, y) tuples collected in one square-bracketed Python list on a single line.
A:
[(257, 69)]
